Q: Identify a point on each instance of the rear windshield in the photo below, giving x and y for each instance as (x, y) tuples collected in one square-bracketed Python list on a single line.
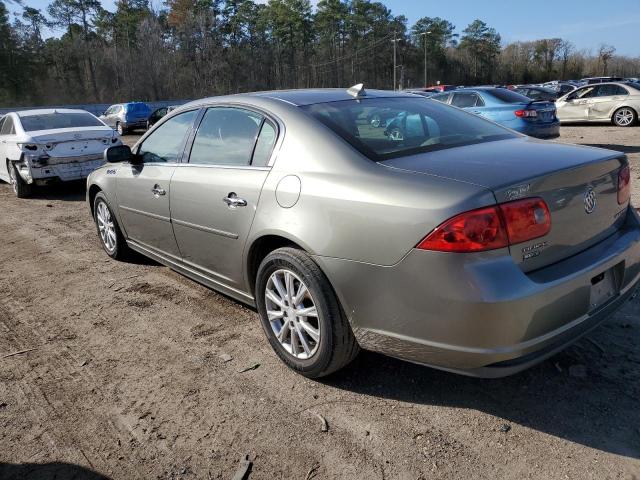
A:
[(508, 96), (137, 107), (385, 128), (51, 121)]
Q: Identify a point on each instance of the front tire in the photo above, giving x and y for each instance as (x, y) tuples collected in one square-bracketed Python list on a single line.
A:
[(109, 232), (120, 129), (21, 188), (624, 117), (301, 315)]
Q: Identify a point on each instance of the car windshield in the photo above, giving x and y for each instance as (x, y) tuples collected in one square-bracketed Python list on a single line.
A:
[(385, 128), (52, 121), (507, 96)]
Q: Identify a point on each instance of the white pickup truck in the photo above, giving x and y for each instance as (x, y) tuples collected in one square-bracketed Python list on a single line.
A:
[(42, 146)]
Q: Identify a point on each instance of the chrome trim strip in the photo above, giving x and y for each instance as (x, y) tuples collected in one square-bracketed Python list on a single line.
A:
[(206, 229), (226, 167), (146, 214)]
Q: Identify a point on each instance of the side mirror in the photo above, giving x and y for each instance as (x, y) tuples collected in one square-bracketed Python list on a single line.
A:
[(121, 153)]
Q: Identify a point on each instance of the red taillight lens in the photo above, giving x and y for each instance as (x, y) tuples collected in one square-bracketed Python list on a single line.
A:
[(526, 113), (491, 228), (472, 231), (624, 185), (526, 219)]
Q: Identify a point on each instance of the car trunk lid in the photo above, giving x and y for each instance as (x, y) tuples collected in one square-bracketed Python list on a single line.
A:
[(569, 178), (74, 142)]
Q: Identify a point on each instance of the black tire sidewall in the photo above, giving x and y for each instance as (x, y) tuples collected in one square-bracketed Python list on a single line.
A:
[(326, 308)]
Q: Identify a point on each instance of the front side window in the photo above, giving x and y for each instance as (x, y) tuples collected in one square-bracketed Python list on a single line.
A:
[(7, 127), (52, 121), (226, 136), (165, 144), (414, 126)]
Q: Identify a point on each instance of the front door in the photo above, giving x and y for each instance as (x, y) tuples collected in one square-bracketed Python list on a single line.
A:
[(143, 190), (576, 105), (214, 197)]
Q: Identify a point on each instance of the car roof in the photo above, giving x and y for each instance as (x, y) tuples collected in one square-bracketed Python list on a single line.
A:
[(304, 97), (45, 111)]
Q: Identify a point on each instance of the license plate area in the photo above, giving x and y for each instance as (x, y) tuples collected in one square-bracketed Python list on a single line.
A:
[(605, 286)]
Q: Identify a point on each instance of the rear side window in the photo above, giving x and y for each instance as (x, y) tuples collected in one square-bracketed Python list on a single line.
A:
[(52, 121), (466, 99), (264, 145), (407, 126), (610, 90), (7, 127), (165, 143), (507, 96), (226, 136)]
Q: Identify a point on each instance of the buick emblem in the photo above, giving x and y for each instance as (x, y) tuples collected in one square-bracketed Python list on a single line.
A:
[(590, 201)]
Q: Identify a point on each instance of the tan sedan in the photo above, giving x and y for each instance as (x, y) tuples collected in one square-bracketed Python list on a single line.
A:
[(618, 103)]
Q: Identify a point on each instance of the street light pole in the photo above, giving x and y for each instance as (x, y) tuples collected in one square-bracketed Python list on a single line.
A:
[(424, 34), (395, 41)]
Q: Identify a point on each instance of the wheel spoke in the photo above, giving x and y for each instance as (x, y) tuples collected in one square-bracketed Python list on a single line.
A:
[(275, 314), (283, 330), (288, 282), (307, 312), (271, 295), (303, 341), (278, 284), (302, 290), (309, 330)]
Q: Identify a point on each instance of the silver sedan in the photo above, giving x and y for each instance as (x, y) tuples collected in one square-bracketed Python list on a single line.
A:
[(618, 103), (436, 236)]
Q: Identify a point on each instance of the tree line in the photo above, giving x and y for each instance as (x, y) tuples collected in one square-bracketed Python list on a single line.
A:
[(196, 48)]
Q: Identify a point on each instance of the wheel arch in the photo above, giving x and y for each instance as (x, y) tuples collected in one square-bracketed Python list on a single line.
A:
[(263, 246), (94, 189)]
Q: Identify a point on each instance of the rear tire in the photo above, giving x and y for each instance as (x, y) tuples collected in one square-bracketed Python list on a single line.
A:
[(21, 188), (624, 117), (109, 233), (323, 340)]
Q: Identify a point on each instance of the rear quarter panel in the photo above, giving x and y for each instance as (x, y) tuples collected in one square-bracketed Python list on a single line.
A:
[(349, 206)]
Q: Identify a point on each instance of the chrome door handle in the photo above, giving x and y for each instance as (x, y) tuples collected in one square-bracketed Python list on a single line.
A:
[(157, 191), (232, 200)]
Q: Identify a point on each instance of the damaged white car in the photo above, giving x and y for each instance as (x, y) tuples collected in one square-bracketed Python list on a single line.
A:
[(42, 146)]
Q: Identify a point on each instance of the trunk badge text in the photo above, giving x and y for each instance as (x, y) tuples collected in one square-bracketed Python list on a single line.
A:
[(518, 192), (590, 200)]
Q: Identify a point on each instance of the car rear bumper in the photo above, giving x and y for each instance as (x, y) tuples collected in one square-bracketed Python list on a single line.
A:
[(68, 170), (479, 314), (547, 130), (135, 124)]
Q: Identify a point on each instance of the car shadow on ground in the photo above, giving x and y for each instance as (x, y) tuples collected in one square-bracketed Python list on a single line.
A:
[(619, 148), (47, 471), (582, 394), (67, 191)]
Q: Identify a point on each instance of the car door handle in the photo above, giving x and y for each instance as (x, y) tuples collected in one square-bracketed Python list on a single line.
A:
[(232, 200), (157, 191)]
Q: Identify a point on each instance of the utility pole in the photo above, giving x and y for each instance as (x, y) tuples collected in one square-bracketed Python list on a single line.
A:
[(395, 41), (424, 34)]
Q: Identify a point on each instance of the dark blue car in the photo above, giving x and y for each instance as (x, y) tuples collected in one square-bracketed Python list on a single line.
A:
[(507, 108)]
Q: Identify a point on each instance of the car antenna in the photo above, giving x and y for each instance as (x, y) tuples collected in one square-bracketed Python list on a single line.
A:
[(357, 91)]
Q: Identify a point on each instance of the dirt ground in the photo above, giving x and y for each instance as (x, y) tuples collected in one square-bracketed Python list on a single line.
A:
[(122, 378)]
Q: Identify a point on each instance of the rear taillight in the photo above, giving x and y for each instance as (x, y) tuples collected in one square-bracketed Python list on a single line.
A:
[(491, 227), (526, 113), (624, 185)]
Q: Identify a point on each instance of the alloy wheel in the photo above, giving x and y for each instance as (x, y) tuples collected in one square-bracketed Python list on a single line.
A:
[(292, 314), (106, 226), (624, 117)]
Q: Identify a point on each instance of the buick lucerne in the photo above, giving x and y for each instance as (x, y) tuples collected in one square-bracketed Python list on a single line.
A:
[(452, 241)]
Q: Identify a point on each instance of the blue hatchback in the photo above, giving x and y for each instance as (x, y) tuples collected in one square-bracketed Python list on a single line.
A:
[(507, 108)]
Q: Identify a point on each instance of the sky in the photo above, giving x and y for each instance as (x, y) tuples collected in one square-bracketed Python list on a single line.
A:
[(587, 23)]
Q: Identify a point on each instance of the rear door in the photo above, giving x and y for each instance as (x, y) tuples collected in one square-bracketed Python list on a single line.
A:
[(606, 97), (143, 191), (214, 197)]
